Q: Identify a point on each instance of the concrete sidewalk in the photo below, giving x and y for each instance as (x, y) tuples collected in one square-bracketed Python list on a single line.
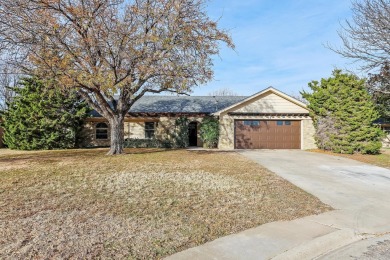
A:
[(357, 191)]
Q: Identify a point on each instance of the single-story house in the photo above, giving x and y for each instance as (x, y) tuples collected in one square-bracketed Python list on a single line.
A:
[(268, 119)]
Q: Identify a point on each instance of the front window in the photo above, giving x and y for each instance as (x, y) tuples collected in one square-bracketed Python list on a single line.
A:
[(149, 130), (101, 131), (280, 123), (252, 123)]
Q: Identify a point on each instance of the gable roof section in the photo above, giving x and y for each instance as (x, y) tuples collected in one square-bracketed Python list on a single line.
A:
[(181, 104), (256, 96)]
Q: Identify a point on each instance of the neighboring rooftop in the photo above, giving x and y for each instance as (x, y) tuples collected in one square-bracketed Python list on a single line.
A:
[(182, 104)]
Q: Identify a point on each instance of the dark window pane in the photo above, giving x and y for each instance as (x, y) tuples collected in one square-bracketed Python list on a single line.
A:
[(149, 125), (101, 131), (149, 129), (287, 122), (279, 123), (101, 125), (252, 123), (101, 136), (149, 134)]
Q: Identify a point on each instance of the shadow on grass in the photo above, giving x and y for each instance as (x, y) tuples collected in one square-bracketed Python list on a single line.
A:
[(88, 153), (55, 155), (209, 151)]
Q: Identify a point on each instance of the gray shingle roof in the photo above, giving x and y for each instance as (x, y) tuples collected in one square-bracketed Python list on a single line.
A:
[(182, 104)]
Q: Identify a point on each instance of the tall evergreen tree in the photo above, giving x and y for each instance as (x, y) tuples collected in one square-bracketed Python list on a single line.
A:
[(343, 114), (42, 118)]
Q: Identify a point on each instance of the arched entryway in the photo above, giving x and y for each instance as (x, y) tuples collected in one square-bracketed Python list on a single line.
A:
[(193, 134)]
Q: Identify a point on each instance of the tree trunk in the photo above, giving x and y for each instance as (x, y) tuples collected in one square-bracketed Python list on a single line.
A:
[(117, 135)]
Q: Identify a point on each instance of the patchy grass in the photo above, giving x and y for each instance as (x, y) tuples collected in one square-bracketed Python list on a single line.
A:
[(382, 159), (146, 204)]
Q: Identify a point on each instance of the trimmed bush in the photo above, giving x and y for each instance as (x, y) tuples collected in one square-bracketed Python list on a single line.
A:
[(147, 143), (180, 136), (209, 132)]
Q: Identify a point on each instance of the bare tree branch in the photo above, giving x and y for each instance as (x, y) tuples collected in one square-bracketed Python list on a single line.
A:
[(223, 92), (8, 80), (366, 38)]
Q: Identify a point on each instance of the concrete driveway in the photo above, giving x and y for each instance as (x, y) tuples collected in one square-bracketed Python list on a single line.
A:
[(358, 192)]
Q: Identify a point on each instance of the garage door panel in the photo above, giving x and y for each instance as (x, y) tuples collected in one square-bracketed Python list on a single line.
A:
[(267, 134)]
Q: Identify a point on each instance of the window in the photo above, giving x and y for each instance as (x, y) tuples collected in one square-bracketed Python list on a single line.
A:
[(252, 123), (101, 131), (280, 123), (149, 129)]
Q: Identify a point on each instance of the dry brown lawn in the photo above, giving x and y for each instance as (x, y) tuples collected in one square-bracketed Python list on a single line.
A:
[(146, 204), (382, 159)]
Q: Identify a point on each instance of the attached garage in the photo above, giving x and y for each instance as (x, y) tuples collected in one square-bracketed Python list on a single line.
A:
[(267, 134), (269, 119)]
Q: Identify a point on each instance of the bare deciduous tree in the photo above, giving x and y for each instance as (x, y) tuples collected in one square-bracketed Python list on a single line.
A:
[(380, 83), (298, 96), (7, 81), (366, 37), (113, 47), (379, 87), (223, 92)]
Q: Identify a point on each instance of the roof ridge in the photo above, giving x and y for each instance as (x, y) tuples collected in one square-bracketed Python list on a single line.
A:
[(189, 96)]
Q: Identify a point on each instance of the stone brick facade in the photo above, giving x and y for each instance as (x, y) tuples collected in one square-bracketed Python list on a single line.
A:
[(134, 128), (308, 132)]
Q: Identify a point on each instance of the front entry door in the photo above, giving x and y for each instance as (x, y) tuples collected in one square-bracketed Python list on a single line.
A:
[(193, 134)]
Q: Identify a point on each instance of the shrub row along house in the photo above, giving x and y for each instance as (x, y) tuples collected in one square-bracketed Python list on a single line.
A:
[(269, 119)]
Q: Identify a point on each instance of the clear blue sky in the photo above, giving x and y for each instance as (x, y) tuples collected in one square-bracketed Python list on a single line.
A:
[(279, 43)]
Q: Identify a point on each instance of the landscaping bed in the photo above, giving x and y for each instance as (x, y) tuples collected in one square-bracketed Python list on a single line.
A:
[(146, 204)]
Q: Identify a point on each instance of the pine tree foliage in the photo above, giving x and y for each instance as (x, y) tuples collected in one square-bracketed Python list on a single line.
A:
[(42, 118), (343, 114)]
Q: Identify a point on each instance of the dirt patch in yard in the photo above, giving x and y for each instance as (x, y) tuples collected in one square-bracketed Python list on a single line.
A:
[(146, 204)]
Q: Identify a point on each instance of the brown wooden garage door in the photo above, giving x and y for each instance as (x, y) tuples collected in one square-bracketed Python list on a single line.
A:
[(261, 134)]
